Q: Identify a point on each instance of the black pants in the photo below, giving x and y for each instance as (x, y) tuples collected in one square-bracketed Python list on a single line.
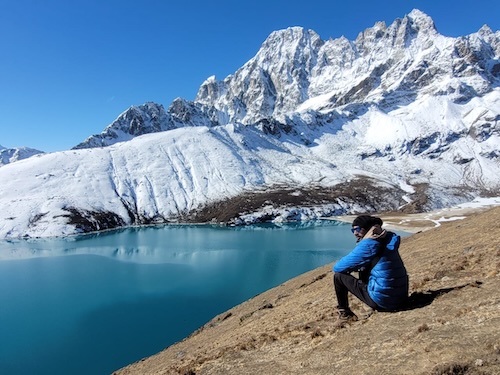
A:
[(345, 283)]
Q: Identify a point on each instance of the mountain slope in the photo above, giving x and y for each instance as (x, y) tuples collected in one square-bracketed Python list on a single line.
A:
[(402, 118), (450, 326)]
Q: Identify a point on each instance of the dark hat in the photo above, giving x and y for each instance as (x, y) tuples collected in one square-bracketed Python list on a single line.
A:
[(366, 221)]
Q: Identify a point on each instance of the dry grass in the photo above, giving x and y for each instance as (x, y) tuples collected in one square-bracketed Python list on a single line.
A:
[(452, 326)]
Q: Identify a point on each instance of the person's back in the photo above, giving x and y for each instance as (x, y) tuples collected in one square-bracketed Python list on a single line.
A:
[(388, 281)]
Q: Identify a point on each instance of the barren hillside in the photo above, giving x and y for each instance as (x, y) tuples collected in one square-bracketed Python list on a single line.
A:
[(451, 327)]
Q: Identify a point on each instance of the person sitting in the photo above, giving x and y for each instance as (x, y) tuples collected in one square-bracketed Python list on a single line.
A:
[(383, 280)]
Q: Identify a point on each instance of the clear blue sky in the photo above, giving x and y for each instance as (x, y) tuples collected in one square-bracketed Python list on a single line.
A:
[(69, 68)]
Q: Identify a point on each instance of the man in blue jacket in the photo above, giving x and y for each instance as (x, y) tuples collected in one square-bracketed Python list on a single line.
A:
[(383, 280)]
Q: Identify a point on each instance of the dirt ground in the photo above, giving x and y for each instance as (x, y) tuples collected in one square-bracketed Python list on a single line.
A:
[(452, 325), (419, 222)]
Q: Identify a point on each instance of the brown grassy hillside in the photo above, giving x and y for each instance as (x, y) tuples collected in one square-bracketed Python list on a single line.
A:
[(452, 327)]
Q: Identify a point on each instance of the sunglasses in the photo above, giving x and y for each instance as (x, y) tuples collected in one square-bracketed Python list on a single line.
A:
[(356, 229)]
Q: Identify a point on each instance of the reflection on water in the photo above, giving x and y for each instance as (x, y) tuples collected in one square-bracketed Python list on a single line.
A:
[(91, 304), (165, 244)]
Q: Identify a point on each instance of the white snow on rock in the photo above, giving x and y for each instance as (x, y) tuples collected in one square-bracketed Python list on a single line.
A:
[(402, 106)]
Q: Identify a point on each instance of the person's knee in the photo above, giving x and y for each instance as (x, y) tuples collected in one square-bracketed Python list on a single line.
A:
[(337, 278)]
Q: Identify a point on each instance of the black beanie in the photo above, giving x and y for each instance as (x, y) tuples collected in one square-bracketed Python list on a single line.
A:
[(366, 221)]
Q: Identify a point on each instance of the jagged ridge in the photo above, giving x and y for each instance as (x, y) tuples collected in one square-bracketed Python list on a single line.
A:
[(402, 108)]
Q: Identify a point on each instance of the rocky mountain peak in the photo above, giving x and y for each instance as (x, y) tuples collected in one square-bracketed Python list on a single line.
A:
[(270, 84), (136, 120), (293, 66), (399, 35), (421, 21), (10, 155), (290, 44)]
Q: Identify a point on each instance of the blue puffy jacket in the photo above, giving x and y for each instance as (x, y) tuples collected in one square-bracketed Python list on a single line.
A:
[(388, 280)]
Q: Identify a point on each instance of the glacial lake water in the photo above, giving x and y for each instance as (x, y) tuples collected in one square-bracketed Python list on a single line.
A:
[(93, 304)]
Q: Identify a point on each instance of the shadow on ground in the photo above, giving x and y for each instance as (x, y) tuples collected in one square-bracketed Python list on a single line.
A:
[(421, 299)]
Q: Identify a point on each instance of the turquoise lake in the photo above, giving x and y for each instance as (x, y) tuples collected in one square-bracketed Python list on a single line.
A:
[(93, 304)]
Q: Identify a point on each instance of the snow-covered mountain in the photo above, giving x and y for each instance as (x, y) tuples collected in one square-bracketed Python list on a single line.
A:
[(10, 155), (400, 118), (148, 118)]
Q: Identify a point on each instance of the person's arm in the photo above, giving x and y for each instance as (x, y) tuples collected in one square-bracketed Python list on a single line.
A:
[(359, 257)]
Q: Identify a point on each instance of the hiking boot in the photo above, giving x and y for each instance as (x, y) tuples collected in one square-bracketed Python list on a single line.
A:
[(346, 316)]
